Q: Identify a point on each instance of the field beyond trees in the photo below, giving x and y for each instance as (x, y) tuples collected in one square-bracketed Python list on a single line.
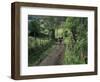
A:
[(52, 35)]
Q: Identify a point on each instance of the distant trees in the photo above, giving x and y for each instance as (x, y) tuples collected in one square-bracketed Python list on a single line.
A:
[(44, 25)]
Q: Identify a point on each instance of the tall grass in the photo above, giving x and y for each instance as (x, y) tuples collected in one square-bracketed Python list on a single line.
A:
[(74, 55)]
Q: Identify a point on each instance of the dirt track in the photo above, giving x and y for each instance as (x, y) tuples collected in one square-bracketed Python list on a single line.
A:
[(55, 57)]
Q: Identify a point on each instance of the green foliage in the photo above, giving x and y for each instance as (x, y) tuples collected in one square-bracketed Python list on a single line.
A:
[(43, 32), (76, 40)]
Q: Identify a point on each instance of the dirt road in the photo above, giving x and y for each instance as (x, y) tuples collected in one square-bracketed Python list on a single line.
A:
[(55, 57)]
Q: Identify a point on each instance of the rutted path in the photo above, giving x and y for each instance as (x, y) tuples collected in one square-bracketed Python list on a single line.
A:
[(55, 57)]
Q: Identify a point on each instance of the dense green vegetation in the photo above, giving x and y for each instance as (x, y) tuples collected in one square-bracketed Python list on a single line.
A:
[(76, 40), (45, 31)]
